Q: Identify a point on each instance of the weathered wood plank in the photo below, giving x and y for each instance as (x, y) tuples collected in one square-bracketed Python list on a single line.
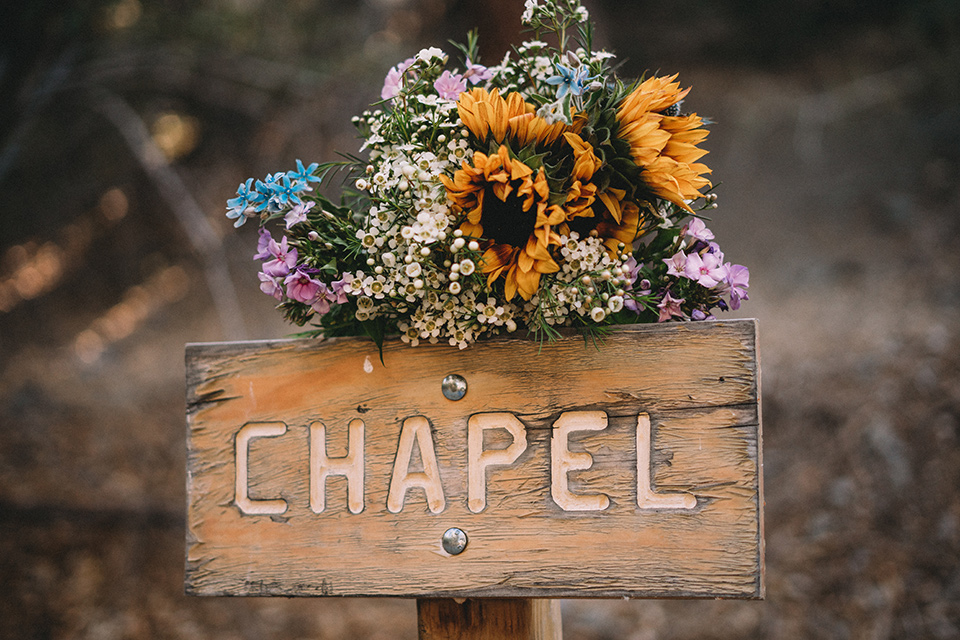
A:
[(697, 384)]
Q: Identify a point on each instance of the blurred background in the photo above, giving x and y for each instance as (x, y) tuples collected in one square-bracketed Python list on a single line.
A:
[(126, 124)]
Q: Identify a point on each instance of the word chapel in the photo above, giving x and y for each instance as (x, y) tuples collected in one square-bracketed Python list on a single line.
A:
[(416, 430)]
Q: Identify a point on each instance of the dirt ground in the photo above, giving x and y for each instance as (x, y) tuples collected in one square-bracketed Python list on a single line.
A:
[(838, 153)]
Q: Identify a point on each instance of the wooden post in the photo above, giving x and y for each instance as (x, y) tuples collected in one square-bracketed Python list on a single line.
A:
[(488, 619)]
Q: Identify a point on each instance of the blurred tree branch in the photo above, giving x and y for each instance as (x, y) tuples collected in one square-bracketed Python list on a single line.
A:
[(175, 193)]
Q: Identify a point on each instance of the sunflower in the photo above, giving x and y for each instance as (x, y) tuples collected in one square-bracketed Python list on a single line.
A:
[(486, 112), (506, 204), (582, 192), (613, 219), (664, 146)]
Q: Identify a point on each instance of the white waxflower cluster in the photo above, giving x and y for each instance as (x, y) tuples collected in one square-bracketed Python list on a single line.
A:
[(539, 13), (594, 57), (460, 318), (411, 220), (591, 282)]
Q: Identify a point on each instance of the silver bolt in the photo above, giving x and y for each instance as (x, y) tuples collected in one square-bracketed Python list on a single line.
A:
[(454, 541), (454, 387)]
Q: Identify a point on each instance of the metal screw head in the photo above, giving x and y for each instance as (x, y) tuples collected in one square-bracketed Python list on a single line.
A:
[(454, 387), (454, 541)]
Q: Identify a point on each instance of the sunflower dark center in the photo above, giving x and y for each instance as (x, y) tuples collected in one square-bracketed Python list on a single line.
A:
[(583, 226), (505, 222), (672, 110)]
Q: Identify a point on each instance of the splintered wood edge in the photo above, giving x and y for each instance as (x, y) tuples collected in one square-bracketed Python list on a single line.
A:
[(746, 329)]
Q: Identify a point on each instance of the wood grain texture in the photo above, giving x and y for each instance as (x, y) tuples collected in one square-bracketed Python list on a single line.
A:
[(488, 619), (697, 382)]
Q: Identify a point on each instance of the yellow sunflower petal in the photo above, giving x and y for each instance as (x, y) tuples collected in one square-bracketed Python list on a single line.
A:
[(613, 205)]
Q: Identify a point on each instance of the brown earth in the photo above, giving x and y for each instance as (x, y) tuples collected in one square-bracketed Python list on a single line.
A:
[(837, 142)]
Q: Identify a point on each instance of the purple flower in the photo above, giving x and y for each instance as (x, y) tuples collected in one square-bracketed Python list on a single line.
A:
[(676, 264), (698, 230), (263, 244), (714, 248), (631, 269), (340, 288), (322, 304), (450, 86), (298, 214), (270, 286), (738, 278), (393, 83), (706, 269), (698, 314), (301, 287), (284, 258), (670, 307), (476, 73)]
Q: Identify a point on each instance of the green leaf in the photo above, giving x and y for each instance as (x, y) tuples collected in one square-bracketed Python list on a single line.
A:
[(377, 330)]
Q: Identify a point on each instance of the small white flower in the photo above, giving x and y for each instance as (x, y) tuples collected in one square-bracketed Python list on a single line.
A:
[(412, 270), (467, 267), (489, 312), (430, 101), (553, 113), (411, 335), (528, 8), (364, 303), (597, 314), (427, 55)]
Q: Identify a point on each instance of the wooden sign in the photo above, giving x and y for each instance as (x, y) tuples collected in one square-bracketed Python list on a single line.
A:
[(509, 469)]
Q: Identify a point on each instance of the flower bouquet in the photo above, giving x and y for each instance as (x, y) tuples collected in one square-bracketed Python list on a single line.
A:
[(538, 193)]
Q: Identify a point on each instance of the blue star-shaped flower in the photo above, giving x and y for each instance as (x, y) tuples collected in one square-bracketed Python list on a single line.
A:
[(304, 174), (237, 207), (570, 80)]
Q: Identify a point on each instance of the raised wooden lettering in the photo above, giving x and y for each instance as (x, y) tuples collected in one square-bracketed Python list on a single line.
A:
[(563, 461), (242, 491), (479, 459), (646, 497), (351, 466), (416, 430)]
